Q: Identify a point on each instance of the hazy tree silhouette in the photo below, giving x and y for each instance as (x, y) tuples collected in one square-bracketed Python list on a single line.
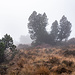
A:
[(71, 41), (37, 27), (64, 29), (54, 32)]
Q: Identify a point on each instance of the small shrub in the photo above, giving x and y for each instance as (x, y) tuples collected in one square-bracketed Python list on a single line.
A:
[(67, 63), (68, 53), (62, 69), (21, 62), (54, 60), (13, 72), (3, 69), (42, 70)]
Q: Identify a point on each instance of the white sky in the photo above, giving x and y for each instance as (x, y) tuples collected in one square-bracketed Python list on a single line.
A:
[(14, 14)]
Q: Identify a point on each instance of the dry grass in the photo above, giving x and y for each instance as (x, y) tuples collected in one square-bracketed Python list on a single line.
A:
[(42, 70), (41, 61)]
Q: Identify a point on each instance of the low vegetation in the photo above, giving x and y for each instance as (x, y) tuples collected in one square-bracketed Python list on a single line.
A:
[(40, 61)]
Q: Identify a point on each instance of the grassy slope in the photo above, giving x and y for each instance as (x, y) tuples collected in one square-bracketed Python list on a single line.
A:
[(43, 61)]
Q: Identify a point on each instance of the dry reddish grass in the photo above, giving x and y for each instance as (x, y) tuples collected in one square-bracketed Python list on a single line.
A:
[(42, 61)]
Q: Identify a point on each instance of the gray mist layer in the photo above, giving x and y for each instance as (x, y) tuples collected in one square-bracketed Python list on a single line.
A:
[(14, 15)]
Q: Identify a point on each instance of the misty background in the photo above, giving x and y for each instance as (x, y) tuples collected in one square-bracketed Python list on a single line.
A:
[(14, 16)]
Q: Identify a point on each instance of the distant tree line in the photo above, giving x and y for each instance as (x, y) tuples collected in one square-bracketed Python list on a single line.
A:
[(37, 28), (6, 42)]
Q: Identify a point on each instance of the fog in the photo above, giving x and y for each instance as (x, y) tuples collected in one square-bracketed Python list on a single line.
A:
[(25, 39), (14, 15)]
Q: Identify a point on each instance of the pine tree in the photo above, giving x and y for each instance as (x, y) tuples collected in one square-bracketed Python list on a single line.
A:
[(2, 48), (8, 42)]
